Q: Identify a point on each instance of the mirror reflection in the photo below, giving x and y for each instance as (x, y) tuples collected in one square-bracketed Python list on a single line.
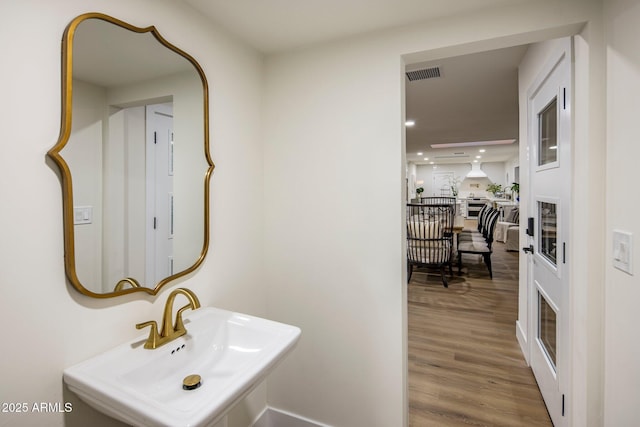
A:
[(136, 188)]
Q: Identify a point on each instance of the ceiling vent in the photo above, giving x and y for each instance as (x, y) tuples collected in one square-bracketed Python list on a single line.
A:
[(425, 73)]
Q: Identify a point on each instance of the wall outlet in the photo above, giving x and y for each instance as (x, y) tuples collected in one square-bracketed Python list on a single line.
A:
[(623, 251)]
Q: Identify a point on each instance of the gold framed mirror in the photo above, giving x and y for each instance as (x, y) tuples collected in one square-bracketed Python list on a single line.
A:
[(133, 154)]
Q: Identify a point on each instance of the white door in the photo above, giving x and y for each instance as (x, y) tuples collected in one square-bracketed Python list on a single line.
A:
[(159, 251), (549, 126), (442, 183)]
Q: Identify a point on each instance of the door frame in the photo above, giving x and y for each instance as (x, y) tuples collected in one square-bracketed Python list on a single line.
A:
[(585, 249)]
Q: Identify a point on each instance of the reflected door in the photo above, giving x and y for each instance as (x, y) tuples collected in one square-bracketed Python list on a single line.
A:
[(160, 218), (549, 124)]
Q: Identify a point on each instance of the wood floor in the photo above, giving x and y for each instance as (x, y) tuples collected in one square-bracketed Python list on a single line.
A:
[(465, 365)]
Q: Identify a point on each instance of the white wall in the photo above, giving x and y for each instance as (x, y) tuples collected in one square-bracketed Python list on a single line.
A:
[(49, 325), (334, 262), (331, 224), (495, 174), (622, 291), (509, 170), (411, 175), (425, 173), (85, 159), (334, 246)]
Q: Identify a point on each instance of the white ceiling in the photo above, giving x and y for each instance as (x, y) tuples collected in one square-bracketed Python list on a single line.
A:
[(278, 25), (475, 99), (107, 55)]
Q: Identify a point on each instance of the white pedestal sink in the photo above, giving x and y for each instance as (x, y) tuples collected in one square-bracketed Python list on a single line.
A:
[(231, 352)]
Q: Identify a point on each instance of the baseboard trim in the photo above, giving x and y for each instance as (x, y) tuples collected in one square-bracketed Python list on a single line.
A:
[(522, 340), (272, 417)]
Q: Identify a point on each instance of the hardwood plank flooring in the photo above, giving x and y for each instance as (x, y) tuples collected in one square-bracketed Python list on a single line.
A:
[(465, 364)]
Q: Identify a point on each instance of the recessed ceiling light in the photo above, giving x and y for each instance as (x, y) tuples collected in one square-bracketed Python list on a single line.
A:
[(426, 158), (431, 163), (410, 123), (474, 143), (420, 153), (482, 150), (478, 157), (475, 161)]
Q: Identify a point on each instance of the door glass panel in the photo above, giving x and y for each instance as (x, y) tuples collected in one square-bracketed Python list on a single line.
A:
[(547, 328), (547, 220), (547, 134)]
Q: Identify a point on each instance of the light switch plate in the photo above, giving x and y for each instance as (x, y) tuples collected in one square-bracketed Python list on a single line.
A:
[(623, 251), (82, 215)]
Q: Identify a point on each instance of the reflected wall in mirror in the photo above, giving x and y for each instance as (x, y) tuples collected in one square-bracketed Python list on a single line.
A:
[(134, 158)]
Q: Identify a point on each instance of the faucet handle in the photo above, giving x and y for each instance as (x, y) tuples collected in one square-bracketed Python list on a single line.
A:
[(179, 324), (152, 323), (154, 338)]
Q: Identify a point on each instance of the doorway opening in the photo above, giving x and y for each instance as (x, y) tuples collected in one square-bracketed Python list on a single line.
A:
[(464, 121)]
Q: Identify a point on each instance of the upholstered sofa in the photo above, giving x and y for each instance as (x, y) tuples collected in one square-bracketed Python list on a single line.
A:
[(508, 231)]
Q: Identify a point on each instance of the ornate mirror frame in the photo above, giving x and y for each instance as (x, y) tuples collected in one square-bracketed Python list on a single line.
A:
[(66, 178)]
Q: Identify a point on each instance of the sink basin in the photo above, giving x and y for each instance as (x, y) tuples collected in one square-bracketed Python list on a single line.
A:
[(231, 352)]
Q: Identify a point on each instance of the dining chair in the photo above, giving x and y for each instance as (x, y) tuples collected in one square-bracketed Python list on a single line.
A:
[(430, 237)]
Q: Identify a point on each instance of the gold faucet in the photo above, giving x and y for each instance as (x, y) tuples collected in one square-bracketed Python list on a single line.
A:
[(170, 331), (124, 282)]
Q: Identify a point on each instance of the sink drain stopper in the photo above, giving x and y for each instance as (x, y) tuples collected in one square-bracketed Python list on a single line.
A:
[(191, 382)]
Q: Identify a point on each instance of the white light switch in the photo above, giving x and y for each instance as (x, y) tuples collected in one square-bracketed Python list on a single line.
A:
[(623, 250), (82, 215)]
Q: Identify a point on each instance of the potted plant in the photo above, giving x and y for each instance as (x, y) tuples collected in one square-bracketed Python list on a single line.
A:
[(515, 187), (494, 188), (419, 190), (453, 183)]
